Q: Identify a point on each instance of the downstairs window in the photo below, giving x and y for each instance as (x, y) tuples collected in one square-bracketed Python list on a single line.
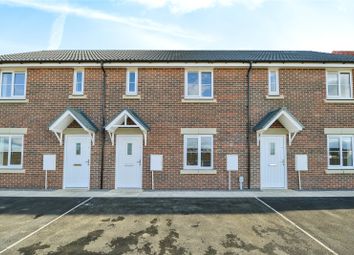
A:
[(11, 151), (198, 151), (340, 152)]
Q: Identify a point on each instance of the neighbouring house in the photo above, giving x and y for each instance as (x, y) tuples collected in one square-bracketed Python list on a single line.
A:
[(106, 118), (343, 52)]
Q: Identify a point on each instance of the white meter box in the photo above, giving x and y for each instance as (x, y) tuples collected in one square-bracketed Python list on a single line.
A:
[(156, 162), (232, 162), (301, 162), (49, 162)]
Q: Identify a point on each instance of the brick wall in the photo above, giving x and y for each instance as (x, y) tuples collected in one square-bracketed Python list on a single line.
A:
[(304, 92), (48, 91), (161, 107)]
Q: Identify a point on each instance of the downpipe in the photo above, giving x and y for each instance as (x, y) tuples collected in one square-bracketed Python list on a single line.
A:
[(103, 124), (248, 78)]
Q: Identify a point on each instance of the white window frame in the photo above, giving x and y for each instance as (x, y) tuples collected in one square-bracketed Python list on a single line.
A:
[(199, 71), (198, 167), (341, 167), (17, 167), (75, 92), (135, 92), (270, 92), (13, 72), (339, 88)]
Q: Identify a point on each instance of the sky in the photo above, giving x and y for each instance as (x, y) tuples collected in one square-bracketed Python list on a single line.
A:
[(319, 25)]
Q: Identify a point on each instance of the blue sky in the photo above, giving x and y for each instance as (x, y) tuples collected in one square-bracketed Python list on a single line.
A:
[(321, 25)]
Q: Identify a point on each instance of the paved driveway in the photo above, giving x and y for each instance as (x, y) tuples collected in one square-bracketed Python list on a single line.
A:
[(176, 226)]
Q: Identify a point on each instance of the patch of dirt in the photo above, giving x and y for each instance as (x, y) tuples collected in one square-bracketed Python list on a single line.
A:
[(168, 244), (195, 225), (210, 251), (77, 246), (37, 216), (233, 241), (119, 218), (121, 245), (32, 249)]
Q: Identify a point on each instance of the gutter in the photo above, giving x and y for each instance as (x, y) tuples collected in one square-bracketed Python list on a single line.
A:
[(248, 138), (103, 124)]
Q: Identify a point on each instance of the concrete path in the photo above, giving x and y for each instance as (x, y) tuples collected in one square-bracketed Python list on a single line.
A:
[(140, 193)]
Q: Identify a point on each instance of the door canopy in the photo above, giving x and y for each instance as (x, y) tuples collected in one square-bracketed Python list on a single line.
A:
[(127, 119), (284, 117), (66, 118)]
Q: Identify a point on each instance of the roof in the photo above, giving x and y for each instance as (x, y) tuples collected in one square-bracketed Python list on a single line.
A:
[(132, 115), (77, 56), (80, 116), (272, 116), (138, 119), (343, 52)]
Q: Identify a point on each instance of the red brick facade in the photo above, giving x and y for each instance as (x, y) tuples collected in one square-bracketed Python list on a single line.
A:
[(161, 107)]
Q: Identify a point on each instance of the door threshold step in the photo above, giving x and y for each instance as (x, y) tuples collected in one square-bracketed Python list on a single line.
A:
[(75, 189), (128, 190)]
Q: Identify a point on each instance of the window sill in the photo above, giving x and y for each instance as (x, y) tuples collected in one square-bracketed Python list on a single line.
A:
[(339, 101), (77, 96), (11, 171), (131, 97), (197, 171), (199, 100), (275, 97), (340, 171), (14, 101)]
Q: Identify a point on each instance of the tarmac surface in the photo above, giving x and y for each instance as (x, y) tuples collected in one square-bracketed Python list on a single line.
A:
[(124, 225)]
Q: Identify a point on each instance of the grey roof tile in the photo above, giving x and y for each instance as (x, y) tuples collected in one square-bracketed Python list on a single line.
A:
[(75, 56)]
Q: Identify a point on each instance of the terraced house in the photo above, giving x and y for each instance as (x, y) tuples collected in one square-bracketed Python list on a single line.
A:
[(199, 119)]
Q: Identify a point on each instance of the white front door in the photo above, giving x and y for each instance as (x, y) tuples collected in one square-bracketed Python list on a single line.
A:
[(77, 161), (129, 162), (273, 163)]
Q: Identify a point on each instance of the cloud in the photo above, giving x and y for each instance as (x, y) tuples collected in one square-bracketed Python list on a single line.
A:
[(138, 23), (57, 32), (186, 6)]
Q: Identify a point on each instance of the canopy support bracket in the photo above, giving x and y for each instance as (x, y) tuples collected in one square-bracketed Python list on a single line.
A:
[(145, 138), (111, 136), (92, 135), (259, 133), (291, 137), (59, 136)]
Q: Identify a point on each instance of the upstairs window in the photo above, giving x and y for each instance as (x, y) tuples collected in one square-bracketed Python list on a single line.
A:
[(132, 82), (339, 85), (13, 85), (199, 85), (273, 82), (78, 82)]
